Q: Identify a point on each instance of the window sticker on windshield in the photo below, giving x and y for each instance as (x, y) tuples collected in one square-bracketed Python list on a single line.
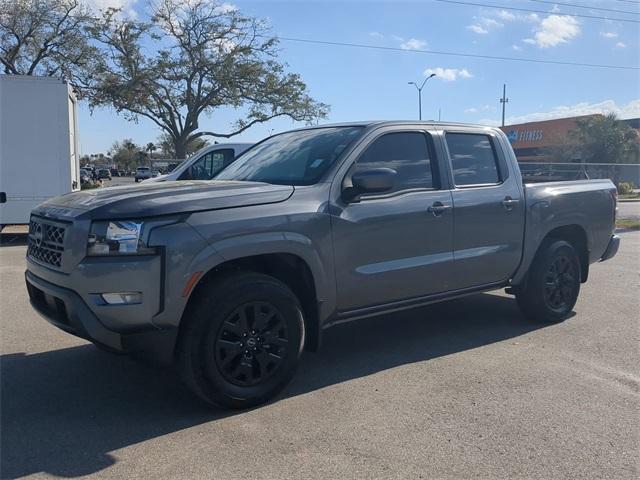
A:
[(316, 163)]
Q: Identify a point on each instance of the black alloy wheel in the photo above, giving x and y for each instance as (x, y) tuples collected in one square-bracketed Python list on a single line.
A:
[(251, 343), (552, 285)]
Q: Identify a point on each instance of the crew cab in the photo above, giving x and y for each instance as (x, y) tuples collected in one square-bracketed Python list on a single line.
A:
[(231, 279)]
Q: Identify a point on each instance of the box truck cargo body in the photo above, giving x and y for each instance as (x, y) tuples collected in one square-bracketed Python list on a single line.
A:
[(38, 144)]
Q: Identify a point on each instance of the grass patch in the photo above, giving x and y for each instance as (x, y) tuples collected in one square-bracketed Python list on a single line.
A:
[(628, 224), (629, 196)]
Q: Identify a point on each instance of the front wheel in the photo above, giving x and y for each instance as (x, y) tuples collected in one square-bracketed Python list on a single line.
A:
[(553, 283), (241, 340)]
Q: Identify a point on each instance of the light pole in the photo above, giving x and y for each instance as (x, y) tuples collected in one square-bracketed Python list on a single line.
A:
[(419, 88)]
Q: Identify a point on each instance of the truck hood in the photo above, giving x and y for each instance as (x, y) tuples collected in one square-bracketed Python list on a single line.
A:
[(162, 198)]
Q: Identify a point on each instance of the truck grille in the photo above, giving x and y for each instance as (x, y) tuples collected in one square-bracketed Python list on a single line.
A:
[(46, 242)]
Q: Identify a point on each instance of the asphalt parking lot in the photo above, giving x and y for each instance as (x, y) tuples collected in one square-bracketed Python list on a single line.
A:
[(463, 389)]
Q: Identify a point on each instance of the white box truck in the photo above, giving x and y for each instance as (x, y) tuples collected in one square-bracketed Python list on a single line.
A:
[(38, 144)]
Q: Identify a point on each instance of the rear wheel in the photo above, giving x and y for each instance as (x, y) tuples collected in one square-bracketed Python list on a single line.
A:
[(241, 341), (553, 283)]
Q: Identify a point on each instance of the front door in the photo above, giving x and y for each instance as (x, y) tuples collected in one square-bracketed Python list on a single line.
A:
[(489, 209), (397, 245)]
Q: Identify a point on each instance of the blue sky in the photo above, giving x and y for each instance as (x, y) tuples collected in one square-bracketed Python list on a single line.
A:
[(362, 84)]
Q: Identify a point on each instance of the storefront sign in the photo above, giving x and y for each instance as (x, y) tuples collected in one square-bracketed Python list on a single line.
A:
[(524, 135)]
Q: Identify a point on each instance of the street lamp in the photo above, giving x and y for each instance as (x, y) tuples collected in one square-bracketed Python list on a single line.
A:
[(419, 88)]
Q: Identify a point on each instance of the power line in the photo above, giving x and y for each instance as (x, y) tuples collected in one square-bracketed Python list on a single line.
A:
[(531, 10), (633, 2), (456, 54), (585, 6)]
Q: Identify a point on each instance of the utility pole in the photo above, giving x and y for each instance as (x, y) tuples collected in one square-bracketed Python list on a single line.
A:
[(504, 100)]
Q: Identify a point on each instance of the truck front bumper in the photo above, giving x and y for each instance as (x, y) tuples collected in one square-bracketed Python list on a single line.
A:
[(612, 248), (65, 309)]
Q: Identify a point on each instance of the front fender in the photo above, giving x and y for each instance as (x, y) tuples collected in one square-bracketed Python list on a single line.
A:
[(242, 246)]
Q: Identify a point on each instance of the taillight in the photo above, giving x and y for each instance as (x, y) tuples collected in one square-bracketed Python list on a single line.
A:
[(614, 198)]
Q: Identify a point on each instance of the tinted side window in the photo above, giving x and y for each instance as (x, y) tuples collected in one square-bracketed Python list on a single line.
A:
[(405, 152), (209, 165), (473, 159)]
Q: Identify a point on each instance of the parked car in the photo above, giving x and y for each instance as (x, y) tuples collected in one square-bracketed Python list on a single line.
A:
[(85, 176), (142, 173), (206, 163), (104, 173), (232, 279), (114, 172)]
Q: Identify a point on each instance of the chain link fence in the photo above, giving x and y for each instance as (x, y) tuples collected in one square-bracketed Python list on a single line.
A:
[(550, 172)]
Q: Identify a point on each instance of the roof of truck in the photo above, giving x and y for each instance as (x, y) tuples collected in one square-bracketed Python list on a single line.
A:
[(383, 123)]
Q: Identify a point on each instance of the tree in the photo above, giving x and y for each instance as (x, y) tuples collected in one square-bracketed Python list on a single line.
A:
[(150, 148), (598, 139), (126, 154), (167, 148), (205, 56), (45, 37)]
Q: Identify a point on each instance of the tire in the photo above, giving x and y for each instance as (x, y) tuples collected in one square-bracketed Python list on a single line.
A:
[(137, 180), (241, 340), (553, 283)]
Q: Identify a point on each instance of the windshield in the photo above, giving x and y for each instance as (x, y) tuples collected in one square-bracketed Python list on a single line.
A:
[(292, 158)]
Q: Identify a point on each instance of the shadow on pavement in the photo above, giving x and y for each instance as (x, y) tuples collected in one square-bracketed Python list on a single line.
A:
[(13, 239), (63, 411)]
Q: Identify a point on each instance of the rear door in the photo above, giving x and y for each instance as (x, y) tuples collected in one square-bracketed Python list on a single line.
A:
[(489, 208), (398, 245)]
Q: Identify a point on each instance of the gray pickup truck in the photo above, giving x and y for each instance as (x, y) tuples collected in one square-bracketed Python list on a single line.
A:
[(231, 279)]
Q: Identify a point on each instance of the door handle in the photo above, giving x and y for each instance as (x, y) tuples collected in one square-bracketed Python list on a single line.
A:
[(438, 208), (509, 202)]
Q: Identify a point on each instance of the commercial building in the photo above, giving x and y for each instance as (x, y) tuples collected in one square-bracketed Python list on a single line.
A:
[(533, 143)]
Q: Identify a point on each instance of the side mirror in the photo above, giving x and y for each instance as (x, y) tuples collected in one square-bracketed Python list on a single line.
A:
[(373, 180)]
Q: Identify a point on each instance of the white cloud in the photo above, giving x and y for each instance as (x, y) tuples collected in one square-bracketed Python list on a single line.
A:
[(507, 16), (477, 29), (491, 22), (621, 45), (482, 108), (555, 9), (226, 8), (413, 44), (515, 47), (555, 30), (609, 34), (448, 74), (483, 25), (376, 35), (630, 110), (126, 6)]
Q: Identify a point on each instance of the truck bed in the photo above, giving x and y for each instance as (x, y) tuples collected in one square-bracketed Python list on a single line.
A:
[(585, 205)]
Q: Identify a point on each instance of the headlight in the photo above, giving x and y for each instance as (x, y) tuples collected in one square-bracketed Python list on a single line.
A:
[(117, 237)]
